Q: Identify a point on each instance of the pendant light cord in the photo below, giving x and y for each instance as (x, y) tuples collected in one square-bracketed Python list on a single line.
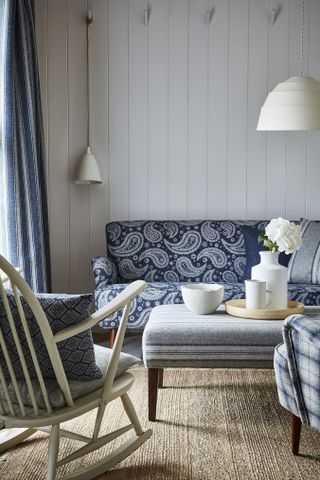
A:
[(88, 23), (302, 37)]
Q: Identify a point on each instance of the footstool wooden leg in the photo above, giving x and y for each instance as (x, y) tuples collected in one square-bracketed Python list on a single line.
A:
[(112, 337), (295, 434), (153, 376), (160, 378)]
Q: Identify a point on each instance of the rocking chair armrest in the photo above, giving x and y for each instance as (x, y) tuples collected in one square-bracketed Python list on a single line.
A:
[(5, 277), (128, 294)]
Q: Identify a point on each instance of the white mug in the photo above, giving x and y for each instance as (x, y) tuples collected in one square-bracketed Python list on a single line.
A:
[(256, 294)]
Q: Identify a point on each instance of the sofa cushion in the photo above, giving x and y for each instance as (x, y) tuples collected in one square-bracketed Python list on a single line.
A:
[(177, 251), (253, 247), (77, 352), (78, 388), (304, 265), (156, 293), (160, 293)]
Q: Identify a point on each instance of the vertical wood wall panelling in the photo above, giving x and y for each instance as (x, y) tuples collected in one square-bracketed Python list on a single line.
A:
[(173, 131), (80, 274), (58, 144), (158, 109), (257, 92), (98, 194), (296, 141), (277, 141), (41, 23), (313, 146), (198, 109), (178, 109), (138, 110), (237, 108), (218, 47), (118, 109)]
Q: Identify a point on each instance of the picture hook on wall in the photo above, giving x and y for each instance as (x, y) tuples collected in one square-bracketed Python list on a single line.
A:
[(274, 13), (147, 13), (209, 16)]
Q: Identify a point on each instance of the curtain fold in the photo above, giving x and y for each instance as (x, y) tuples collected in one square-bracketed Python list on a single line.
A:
[(23, 193)]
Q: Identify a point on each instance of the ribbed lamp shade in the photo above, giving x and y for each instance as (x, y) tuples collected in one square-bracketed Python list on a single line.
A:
[(292, 105), (88, 172)]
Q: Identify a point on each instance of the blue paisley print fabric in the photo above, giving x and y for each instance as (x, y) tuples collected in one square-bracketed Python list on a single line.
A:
[(104, 271), (172, 251), (155, 294), (168, 254), (168, 293)]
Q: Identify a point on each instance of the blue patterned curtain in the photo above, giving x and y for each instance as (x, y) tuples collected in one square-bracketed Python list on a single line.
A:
[(23, 195)]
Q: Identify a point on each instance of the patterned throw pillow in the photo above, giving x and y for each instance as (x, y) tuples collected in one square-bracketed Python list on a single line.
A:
[(304, 265), (77, 352)]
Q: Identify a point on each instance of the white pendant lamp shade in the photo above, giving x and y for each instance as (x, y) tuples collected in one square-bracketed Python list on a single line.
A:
[(292, 105), (88, 172)]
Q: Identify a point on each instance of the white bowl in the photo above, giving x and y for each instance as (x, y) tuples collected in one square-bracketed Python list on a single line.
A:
[(202, 298)]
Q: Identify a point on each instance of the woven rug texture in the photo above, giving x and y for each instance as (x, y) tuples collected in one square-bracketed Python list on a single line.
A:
[(213, 425)]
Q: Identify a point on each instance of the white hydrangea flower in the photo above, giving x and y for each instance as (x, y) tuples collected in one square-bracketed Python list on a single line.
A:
[(286, 235), (291, 239), (275, 229)]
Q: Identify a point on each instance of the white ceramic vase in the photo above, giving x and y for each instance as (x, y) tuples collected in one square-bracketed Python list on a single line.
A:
[(275, 276)]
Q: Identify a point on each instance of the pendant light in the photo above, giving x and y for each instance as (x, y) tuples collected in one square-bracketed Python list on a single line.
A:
[(88, 172), (293, 104)]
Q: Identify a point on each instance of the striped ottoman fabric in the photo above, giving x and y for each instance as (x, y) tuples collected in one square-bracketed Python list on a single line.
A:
[(175, 337)]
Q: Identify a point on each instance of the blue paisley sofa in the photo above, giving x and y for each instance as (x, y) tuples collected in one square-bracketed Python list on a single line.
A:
[(169, 253)]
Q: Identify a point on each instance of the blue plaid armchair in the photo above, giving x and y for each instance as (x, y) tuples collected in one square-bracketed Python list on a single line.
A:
[(297, 368)]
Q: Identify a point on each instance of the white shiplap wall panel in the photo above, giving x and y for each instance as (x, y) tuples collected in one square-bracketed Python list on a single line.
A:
[(218, 48), (237, 109), (174, 112), (197, 110), (296, 141), (178, 109), (79, 197), (158, 56), (58, 144), (138, 110), (118, 36), (313, 146), (278, 63), (42, 52), (296, 175), (98, 197), (257, 91)]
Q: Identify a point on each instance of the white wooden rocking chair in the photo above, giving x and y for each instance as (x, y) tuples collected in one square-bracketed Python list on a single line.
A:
[(15, 414)]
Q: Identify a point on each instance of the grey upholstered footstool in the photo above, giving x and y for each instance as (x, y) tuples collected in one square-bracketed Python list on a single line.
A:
[(175, 337)]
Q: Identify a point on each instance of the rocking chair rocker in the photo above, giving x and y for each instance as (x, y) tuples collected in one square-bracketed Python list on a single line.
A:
[(14, 413)]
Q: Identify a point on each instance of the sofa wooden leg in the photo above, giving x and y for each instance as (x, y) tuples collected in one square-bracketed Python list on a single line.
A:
[(153, 378), (295, 434), (160, 378), (112, 337)]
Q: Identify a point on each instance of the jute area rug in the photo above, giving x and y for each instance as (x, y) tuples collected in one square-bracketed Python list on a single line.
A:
[(213, 425)]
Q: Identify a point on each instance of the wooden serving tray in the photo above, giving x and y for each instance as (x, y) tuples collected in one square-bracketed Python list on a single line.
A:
[(238, 309)]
